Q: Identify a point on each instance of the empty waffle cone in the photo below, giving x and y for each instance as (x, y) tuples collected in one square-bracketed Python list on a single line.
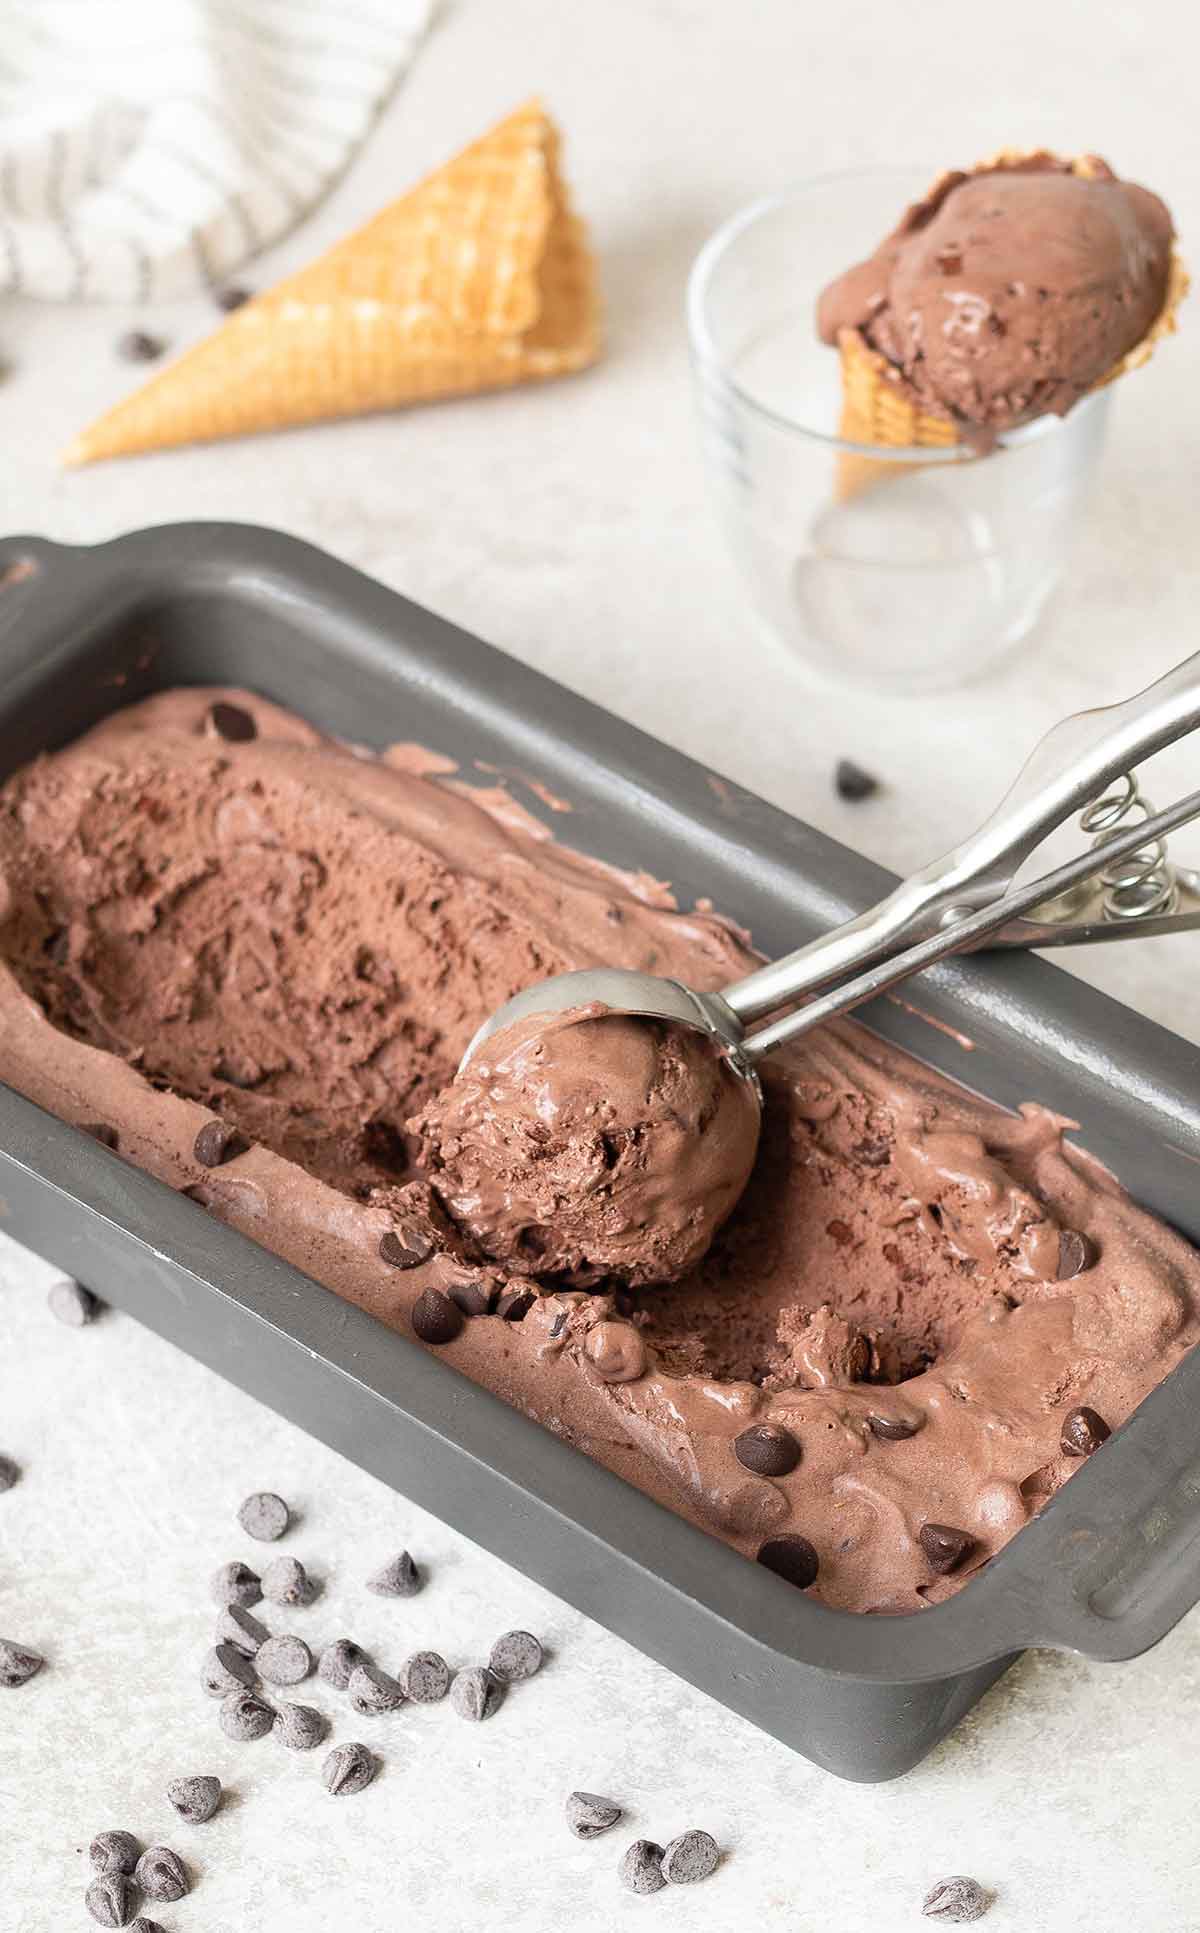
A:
[(877, 408), (479, 278)]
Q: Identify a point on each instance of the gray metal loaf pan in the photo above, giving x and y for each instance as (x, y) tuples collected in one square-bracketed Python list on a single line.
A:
[(1114, 1560)]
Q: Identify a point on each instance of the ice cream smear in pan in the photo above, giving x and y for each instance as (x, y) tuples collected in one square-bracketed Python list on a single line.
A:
[(251, 958)]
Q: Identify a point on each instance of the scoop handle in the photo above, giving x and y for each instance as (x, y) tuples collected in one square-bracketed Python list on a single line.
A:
[(1076, 759)]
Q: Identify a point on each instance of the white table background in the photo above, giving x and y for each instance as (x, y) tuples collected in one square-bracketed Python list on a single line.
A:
[(570, 525)]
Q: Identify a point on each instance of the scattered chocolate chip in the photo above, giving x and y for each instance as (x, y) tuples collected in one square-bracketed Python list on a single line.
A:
[(285, 1581), (425, 1677), (114, 1852), (514, 1305), (404, 1252), (792, 1558), (475, 1694), (397, 1578), (1082, 1432), (143, 1925), (264, 1516), (893, 1429), (690, 1858), (588, 1814), (72, 1303), (338, 1660), (10, 1473), (243, 1716), (236, 1584), (852, 782), (161, 1874), (372, 1691), (348, 1769), (641, 1867), (435, 1318), (18, 1664), (111, 1899), (217, 1142), (767, 1449), (944, 1546), (515, 1656), (232, 723), (136, 346), (959, 1900), (473, 1298), (284, 1660), (101, 1131), (231, 299), (1075, 1254), (195, 1799), (226, 1669), (300, 1727)]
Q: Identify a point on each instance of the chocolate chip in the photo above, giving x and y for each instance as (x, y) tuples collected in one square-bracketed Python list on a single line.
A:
[(944, 1546), (136, 346), (112, 1899), (372, 1691), (852, 782), (1082, 1432), (767, 1449), (425, 1677), (243, 1716), (515, 1656), (240, 1629), (161, 1874), (559, 1324), (514, 1305), (195, 1799), (588, 1814), (407, 1251), (348, 1769), (226, 1669), (616, 1352), (338, 1660), (285, 1581), (218, 1142), (950, 261), (893, 1429), (143, 1925), (236, 1584), (232, 723), (690, 1858), (10, 1473), (435, 1318), (231, 299), (101, 1131), (641, 1867), (792, 1558), (475, 1694), (57, 947), (397, 1578), (300, 1727), (958, 1899), (473, 1298), (114, 1852), (284, 1660), (1075, 1254), (72, 1303), (18, 1664), (264, 1516)]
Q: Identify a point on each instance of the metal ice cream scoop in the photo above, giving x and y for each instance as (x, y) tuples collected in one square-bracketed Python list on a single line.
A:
[(959, 903)]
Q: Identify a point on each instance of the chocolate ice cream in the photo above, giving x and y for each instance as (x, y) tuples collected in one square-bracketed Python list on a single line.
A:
[(587, 1144), (243, 956), (1010, 291)]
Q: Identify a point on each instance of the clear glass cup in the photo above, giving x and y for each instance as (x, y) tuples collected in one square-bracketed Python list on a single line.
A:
[(935, 563)]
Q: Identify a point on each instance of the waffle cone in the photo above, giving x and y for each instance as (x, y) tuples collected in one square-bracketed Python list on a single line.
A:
[(877, 409), (479, 278)]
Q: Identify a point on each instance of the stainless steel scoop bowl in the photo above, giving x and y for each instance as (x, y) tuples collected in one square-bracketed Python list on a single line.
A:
[(960, 902)]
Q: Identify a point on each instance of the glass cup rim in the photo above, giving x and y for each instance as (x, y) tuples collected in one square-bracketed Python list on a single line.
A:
[(707, 354)]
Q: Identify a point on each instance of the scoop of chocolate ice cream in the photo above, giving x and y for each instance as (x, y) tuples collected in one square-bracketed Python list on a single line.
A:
[(1011, 291), (590, 1144)]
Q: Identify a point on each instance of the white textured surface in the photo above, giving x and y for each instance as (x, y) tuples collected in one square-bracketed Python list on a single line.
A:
[(571, 526)]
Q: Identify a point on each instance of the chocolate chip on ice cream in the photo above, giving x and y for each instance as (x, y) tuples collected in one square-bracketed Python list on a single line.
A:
[(405, 1249), (944, 1546), (792, 1558), (264, 1516), (1075, 1254), (231, 722), (435, 1318), (768, 1449), (616, 1352), (893, 1429), (1083, 1431), (217, 1142)]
